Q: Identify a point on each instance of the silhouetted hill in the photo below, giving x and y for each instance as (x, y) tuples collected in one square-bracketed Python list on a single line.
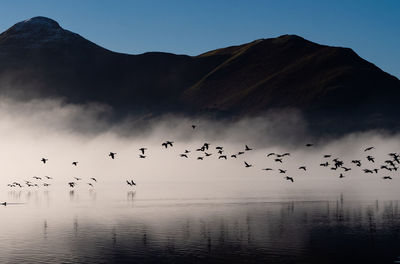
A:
[(40, 59)]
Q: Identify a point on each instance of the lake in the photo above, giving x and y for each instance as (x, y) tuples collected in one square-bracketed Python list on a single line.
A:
[(61, 225)]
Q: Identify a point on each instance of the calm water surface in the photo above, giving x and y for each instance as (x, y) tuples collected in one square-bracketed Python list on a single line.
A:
[(89, 226)]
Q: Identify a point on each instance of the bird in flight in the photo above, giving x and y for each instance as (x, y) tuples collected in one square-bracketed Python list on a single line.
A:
[(370, 158), (369, 148), (72, 184), (309, 145), (302, 168), (112, 155), (233, 156), (278, 160), (167, 143), (247, 148), (193, 127), (44, 160), (387, 178), (267, 169), (183, 155), (289, 178), (130, 183), (341, 175), (282, 171), (222, 157), (201, 149), (271, 154), (142, 150), (247, 165), (75, 163), (142, 156)]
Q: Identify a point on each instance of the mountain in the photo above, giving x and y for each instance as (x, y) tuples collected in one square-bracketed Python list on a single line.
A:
[(39, 59)]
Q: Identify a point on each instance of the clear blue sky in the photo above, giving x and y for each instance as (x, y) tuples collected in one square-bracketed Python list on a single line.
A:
[(371, 28)]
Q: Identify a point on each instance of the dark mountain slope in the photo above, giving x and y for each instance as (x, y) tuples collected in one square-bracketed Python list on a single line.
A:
[(292, 72), (39, 59)]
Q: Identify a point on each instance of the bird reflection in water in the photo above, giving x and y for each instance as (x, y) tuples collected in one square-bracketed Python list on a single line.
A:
[(131, 196)]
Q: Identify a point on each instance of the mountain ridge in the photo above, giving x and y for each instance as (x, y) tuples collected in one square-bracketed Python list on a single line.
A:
[(40, 59)]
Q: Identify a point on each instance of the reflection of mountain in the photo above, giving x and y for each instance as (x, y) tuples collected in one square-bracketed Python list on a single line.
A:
[(40, 59)]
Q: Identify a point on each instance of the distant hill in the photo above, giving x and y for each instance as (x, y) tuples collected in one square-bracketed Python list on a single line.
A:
[(39, 59)]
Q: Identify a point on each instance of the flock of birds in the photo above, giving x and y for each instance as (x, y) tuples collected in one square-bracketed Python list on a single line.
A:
[(391, 164)]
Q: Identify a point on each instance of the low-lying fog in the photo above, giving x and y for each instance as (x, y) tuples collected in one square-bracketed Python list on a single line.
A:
[(65, 133)]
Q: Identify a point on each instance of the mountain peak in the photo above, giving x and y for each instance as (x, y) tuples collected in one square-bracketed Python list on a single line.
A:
[(36, 25), (34, 33)]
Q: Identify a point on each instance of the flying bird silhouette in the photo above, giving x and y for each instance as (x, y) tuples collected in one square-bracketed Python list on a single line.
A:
[(247, 165), (130, 183), (112, 155), (369, 148), (142, 150), (44, 160), (289, 178), (167, 143)]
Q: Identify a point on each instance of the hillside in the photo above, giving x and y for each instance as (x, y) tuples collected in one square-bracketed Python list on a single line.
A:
[(40, 59)]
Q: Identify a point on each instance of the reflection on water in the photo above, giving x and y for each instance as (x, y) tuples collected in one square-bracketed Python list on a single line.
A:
[(87, 227)]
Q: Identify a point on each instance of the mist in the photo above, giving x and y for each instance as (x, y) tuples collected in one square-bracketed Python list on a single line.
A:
[(64, 133)]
